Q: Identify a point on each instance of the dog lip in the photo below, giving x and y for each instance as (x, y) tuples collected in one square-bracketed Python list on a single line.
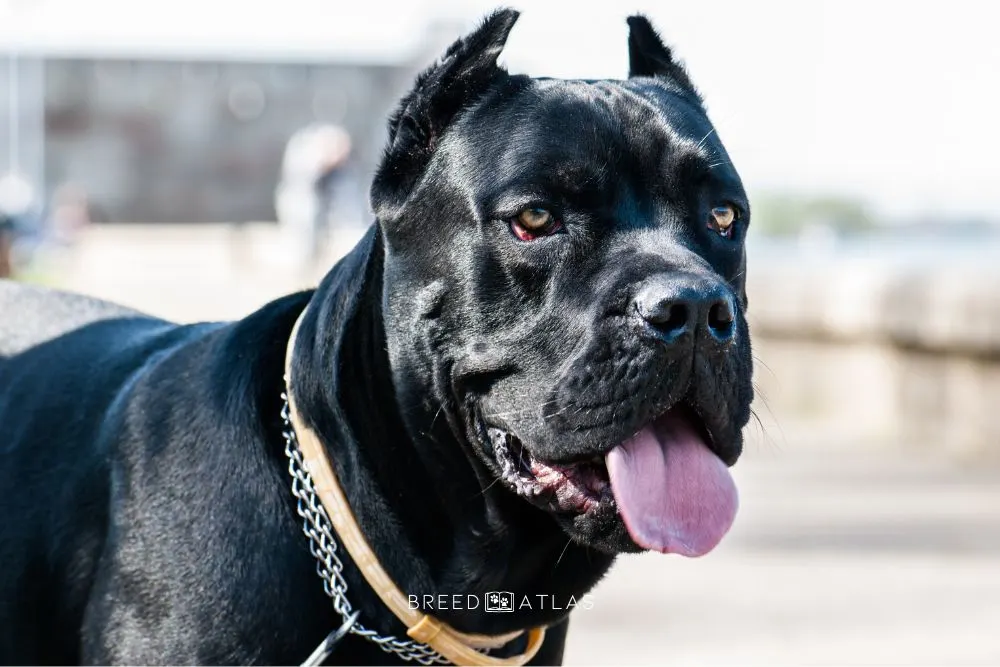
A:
[(710, 425), (576, 488)]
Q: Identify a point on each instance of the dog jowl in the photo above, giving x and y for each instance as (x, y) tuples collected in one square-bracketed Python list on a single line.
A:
[(566, 260)]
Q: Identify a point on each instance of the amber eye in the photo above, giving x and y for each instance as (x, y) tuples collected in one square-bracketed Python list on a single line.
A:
[(534, 222), (722, 219)]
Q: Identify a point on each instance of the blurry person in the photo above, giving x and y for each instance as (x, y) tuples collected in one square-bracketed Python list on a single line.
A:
[(314, 161), (70, 214), (16, 200)]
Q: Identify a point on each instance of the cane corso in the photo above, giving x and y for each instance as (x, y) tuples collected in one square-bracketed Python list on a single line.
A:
[(537, 358)]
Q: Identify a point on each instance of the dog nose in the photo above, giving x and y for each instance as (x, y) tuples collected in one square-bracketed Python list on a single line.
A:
[(676, 305)]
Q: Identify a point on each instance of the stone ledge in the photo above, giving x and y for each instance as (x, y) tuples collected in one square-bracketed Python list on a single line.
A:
[(953, 310), (886, 353)]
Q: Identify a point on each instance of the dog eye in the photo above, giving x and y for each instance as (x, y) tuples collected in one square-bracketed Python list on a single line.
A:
[(532, 223), (721, 220)]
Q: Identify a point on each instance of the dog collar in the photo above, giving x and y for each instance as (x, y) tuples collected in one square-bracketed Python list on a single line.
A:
[(436, 640)]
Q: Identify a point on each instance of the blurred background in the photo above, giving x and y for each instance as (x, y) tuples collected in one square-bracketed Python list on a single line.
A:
[(197, 159)]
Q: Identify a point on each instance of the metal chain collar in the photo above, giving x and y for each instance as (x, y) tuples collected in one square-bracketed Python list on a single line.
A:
[(322, 545)]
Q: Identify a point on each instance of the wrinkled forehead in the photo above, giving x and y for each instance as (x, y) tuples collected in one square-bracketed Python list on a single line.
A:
[(580, 134)]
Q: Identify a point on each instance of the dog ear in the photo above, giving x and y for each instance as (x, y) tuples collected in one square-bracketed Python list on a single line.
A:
[(649, 56), (464, 72)]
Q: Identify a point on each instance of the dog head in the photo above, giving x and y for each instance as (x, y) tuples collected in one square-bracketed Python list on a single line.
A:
[(564, 288)]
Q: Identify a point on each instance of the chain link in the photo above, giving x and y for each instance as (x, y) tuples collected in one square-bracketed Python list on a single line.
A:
[(322, 545)]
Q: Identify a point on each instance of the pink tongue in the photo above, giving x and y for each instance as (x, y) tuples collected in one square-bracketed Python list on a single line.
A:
[(674, 495)]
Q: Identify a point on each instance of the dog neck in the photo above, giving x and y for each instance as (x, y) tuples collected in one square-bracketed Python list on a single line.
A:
[(433, 527)]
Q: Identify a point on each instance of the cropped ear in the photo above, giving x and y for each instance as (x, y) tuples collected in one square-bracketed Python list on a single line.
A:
[(649, 56), (466, 70)]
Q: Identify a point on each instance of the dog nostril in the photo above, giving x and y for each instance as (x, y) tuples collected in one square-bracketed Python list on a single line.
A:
[(721, 320), (677, 318), (672, 319)]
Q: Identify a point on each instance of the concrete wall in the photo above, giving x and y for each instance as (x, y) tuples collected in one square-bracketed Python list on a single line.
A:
[(899, 353)]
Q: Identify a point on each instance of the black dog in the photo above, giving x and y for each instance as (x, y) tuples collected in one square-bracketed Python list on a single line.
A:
[(550, 303)]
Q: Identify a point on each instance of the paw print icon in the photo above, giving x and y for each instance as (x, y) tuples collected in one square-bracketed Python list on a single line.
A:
[(499, 601)]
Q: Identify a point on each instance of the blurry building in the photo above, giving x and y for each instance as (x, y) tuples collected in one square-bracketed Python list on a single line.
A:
[(172, 141), (189, 132)]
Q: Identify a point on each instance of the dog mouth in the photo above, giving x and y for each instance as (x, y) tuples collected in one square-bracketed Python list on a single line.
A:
[(667, 483), (577, 487)]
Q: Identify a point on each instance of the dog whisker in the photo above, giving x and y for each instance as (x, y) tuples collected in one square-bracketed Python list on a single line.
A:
[(487, 487), (562, 553), (436, 415), (770, 412), (705, 138), (760, 361)]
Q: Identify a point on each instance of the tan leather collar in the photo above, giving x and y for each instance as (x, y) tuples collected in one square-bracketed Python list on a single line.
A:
[(458, 647)]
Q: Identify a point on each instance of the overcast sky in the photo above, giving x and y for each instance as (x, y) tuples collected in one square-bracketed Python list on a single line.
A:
[(894, 101)]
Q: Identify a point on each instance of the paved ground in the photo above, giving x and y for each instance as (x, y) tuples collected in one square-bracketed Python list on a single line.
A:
[(841, 556), (844, 553)]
